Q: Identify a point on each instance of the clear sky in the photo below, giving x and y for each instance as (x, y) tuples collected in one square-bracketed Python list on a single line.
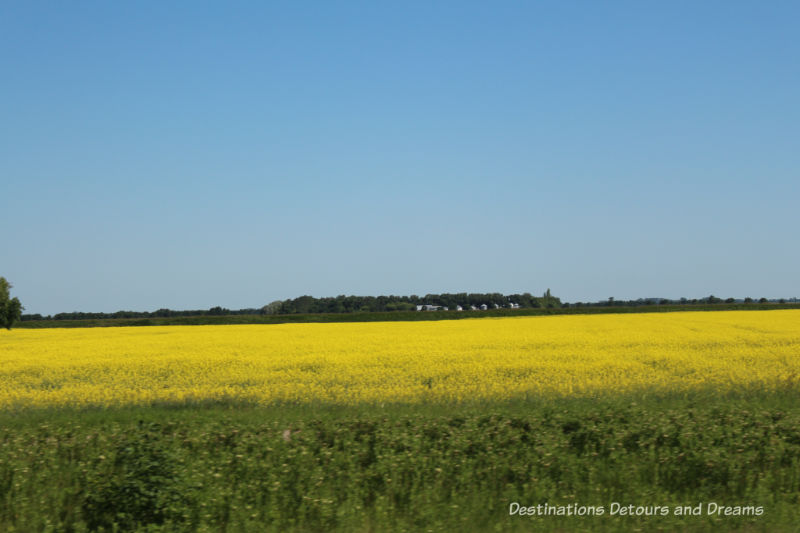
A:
[(188, 155)]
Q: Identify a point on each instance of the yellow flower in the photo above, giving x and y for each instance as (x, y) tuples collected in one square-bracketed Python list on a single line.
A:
[(410, 362)]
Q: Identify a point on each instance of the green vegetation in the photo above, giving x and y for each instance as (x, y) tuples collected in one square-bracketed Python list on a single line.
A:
[(386, 316), (337, 305), (10, 308), (393, 308), (352, 304), (401, 468)]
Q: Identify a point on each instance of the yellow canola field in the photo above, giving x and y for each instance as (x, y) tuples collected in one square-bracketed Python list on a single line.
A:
[(347, 363)]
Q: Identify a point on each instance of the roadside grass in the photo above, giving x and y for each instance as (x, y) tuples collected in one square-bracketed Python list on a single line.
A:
[(232, 466)]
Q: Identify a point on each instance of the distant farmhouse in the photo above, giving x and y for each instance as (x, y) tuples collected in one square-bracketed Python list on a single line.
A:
[(483, 307)]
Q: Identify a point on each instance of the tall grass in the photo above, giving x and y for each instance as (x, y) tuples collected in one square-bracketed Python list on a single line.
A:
[(237, 467)]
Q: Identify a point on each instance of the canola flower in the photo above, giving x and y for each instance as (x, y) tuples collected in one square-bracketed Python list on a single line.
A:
[(406, 362)]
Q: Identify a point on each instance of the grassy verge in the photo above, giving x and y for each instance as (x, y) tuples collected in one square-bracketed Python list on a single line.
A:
[(392, 316), (228, 467)]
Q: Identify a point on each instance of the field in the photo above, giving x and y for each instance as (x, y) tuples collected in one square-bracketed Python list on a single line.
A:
[(400, 362), (410, 426)]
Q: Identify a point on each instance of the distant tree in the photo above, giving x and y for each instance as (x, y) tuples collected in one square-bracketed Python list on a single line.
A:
[(762, 300), (748, 300), (782, 301), (10, 308), (271, 308), (729, 300)]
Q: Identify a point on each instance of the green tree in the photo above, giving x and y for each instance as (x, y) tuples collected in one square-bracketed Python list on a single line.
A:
[(272, 308), (10, 308)]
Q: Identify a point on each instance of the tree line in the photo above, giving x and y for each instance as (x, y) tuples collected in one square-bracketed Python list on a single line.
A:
[(353, 304), (338, 304), (10, 308), (160, 313), (612, 302)]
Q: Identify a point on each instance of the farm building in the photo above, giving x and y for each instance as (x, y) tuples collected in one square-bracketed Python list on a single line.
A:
[(426, 307)]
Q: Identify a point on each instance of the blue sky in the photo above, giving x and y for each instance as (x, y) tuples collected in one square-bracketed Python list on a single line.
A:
[(187, 155)]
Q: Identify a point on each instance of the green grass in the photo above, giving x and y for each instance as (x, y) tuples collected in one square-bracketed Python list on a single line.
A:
[(228, 467), (388, 316)]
